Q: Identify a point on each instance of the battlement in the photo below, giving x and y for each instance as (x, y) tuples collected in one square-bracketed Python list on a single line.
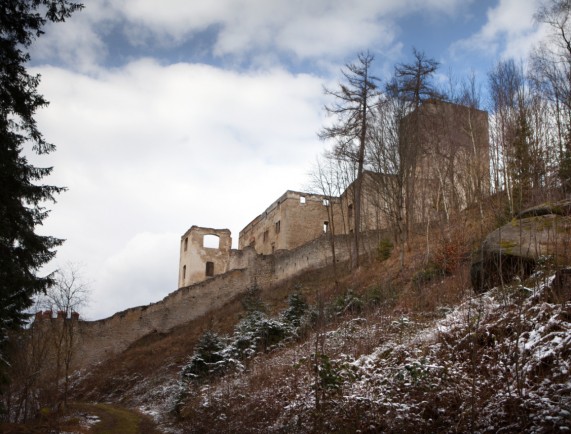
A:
[(61, 315)]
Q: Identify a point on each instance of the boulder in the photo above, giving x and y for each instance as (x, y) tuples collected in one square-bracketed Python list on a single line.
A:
[(538, 233)]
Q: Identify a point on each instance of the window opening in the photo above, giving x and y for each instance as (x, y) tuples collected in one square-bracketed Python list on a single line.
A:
[(278, 227), (211, 241), (209, 269), (302, 199), (325, 227), (185, 244), (325, 202), (183, 272), (265, 236), (350, 209)]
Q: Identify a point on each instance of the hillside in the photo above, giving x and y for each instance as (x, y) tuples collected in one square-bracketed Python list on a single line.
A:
[(383, 349)]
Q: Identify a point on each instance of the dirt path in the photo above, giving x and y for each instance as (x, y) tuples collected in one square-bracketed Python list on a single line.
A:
[(84, 418), (116, 420)]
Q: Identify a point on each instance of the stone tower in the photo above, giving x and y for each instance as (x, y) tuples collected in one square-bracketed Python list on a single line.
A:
[(199, 261)]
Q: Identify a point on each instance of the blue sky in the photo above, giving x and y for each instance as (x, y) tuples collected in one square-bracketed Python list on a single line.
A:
[(174, 113)]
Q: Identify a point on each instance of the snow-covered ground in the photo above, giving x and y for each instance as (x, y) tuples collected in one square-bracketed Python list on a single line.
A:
[(498, 362)]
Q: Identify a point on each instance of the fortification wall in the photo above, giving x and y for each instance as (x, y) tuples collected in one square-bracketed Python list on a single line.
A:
[(107, 337), (316, 254), (102, 339)]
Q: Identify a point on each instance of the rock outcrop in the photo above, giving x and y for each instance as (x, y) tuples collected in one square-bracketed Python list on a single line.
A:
[(541, 233)]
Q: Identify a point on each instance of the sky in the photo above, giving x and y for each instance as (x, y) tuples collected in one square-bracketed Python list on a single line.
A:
[(178, 113)]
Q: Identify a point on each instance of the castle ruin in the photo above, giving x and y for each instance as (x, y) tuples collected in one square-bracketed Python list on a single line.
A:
[(294, 234), (449, 148)]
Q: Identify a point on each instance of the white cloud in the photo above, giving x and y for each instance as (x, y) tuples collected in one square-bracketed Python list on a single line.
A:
[(79, 42), (144, 270), (246, 32), (305, 30), (509, 31)]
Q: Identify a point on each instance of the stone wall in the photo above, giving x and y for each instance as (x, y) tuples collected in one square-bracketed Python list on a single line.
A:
[(107, 337), (102, 339), (291, 221)]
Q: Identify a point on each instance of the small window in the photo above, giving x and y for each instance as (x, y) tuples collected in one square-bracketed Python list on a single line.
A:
[(302, 200), (325, 202), (186, 244), (211, 241), (350, 209), (183, 272), (325, 227), (278, 227), (209, 269), (265, 236)]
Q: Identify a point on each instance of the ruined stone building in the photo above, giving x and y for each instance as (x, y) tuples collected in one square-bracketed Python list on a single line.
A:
[(291, 221), (448, 148)]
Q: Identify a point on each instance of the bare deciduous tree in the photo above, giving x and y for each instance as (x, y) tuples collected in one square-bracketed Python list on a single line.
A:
[(551, 75), (67, 297)]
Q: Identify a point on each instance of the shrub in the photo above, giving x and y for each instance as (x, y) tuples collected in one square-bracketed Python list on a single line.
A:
[(207, 358), (427, 274), (348, 302), (252, 300), (384, 250), (257, 332), (448, 256), (296, 310), (382, 294)]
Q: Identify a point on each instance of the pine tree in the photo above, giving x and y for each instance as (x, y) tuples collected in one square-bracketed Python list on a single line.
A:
[(22, 250)]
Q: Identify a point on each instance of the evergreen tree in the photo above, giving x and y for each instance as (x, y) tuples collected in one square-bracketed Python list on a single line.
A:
[(207, 358), (22, 250)]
